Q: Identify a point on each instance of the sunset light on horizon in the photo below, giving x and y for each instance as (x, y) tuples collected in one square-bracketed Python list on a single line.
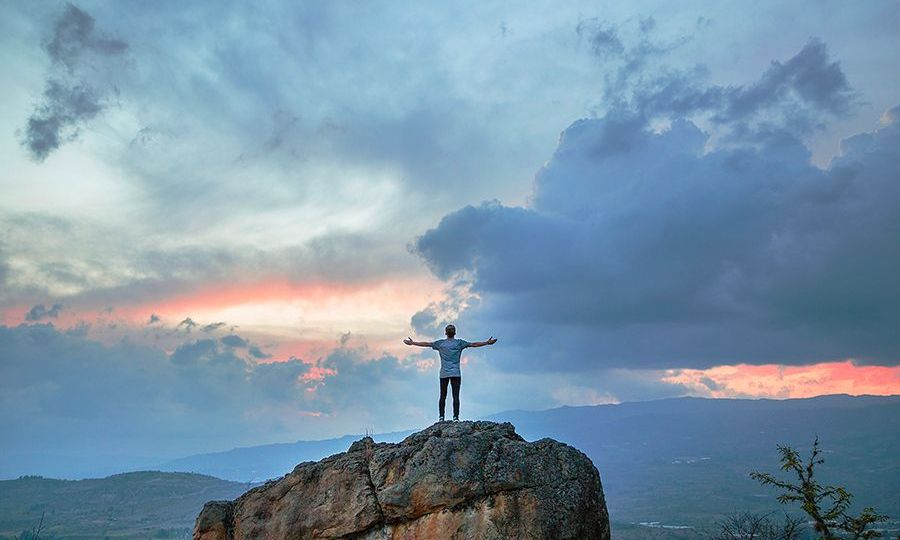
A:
[(219, 222)]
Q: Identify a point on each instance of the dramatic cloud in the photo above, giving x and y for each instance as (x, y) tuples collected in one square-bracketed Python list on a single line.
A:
[(76, 91), (40, 312), (790, 97), (267, 165), (74, 37), (629, 56), (809, 78), (647, 249)]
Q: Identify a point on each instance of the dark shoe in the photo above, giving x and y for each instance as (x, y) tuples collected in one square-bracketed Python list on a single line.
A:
[(456, 419), (441, 419)]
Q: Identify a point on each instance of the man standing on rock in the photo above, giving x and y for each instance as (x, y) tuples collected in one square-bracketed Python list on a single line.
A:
[(450, 350)]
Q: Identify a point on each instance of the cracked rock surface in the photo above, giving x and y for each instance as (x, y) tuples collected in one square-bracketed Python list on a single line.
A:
[(459, 480)]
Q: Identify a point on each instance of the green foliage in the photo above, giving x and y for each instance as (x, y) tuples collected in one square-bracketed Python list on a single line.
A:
[(827, 506)]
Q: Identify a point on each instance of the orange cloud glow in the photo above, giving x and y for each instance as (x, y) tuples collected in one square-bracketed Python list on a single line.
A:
[(321, 296), (780, 381), (317, 373), (319, 306), (285, 318)]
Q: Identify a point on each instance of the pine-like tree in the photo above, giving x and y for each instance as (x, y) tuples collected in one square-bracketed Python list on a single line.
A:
[(827, 506)]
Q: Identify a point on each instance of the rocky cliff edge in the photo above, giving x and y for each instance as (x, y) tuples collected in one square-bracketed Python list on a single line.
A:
[(459, 480)]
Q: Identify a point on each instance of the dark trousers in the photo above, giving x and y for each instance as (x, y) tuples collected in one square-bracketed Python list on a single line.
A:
[(455, 382)]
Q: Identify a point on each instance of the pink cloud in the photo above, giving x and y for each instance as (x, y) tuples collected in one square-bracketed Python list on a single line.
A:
[(782, 381)]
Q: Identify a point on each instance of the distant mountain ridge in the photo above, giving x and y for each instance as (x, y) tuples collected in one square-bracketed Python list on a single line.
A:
[(258, 463), (684, 447), (681, 461), (697, 453)]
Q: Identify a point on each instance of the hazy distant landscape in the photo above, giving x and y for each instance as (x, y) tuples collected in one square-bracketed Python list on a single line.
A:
[(676, 462), (686, 461), (130, 505)]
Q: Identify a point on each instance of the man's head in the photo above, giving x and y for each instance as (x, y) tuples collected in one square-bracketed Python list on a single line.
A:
[(450, 330)]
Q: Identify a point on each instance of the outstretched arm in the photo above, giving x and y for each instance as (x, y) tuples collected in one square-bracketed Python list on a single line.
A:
[(490, 341), (409, 341)]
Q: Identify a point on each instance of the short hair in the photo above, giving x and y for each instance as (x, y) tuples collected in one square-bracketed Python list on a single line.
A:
[(450, 329)]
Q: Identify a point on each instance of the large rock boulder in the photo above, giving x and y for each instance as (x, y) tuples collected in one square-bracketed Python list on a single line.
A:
[(459, 480)]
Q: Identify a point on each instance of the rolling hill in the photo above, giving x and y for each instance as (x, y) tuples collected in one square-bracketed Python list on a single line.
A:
[(147, 504)]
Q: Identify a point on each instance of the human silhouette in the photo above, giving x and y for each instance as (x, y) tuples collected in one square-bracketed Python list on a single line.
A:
[(450, 350)]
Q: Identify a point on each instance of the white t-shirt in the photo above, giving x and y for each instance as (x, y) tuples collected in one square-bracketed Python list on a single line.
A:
[(450, 351)]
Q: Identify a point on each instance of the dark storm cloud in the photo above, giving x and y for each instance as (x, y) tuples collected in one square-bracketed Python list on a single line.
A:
[(39, 312), (75, 91), (792, 94), (74, 36), (424, 321), (627, 55), (641, 249), (56, 120), (810, 75)]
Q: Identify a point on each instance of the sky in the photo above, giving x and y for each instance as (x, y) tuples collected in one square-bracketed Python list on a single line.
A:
[(219, 220)]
